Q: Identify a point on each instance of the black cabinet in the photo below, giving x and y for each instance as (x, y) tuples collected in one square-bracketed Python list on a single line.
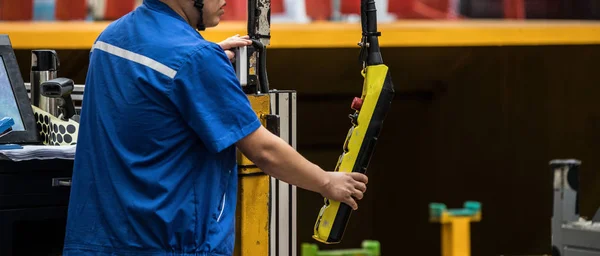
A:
[(33, 206)]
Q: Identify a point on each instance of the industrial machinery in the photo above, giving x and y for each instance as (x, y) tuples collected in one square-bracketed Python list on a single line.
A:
[(367, 120), (455, 226), (571, 234), (266, 212)]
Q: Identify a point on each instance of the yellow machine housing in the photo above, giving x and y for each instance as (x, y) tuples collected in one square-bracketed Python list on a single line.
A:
[(359, 144), (371, 109)]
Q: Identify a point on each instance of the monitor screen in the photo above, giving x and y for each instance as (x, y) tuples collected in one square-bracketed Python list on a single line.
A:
[(8, 102)]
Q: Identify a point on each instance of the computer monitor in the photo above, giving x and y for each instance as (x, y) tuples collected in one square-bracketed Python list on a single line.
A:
[(14, 101)]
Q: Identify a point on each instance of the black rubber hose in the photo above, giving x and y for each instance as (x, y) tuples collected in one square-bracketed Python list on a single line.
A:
[(369, 25), (262, 66)]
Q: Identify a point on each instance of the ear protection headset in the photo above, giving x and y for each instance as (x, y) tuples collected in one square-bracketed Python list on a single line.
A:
[(199, 4)]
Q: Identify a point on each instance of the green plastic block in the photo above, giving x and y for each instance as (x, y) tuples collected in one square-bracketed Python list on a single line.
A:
[(373, 247), (369, 248), (309, 249)]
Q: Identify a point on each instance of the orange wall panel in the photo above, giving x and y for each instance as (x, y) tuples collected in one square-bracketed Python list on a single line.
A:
[(117, 8), (71, 9), (16, 9)]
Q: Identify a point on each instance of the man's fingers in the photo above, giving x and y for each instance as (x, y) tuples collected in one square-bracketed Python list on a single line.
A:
[(350, 202), (234, 42), (357, 194), (359, 177), (245, 41), (230, 54), (361, 187), (238, 43)]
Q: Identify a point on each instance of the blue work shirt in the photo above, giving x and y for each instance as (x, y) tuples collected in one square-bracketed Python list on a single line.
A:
[(155, 167)]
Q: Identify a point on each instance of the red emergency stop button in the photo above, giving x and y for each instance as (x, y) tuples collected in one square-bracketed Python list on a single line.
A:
[(357, 103)]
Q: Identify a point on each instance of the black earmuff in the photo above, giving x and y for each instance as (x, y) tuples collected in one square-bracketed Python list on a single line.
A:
[(199, 4)]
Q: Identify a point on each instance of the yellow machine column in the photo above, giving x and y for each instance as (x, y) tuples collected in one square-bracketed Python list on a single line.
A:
[(266, 208), (455, 226), (252, 224)]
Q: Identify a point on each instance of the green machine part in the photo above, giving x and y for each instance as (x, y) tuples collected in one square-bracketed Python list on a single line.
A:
[(471, 208), (369, 248)]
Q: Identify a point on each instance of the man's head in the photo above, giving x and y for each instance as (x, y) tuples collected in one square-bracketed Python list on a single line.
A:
[(189, 10)]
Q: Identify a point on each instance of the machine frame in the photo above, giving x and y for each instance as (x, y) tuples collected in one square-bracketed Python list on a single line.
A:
[(571, 234)]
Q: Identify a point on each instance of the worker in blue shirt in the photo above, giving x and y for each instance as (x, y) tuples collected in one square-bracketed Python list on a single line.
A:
[(163, 113)]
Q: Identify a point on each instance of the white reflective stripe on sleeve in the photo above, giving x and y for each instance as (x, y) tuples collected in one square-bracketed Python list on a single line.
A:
[(132, 56)]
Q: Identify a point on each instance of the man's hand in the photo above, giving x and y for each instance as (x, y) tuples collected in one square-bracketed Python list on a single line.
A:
[(234, 42), (345, 187), (278, 159)]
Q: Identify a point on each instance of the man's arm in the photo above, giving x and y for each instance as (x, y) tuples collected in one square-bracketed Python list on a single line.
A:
[(210, 99), (279, 160)]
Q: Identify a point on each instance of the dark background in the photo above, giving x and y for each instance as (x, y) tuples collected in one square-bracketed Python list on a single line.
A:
[(467, 123)]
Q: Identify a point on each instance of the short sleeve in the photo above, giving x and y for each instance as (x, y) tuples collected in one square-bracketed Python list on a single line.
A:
[(209, 97)]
